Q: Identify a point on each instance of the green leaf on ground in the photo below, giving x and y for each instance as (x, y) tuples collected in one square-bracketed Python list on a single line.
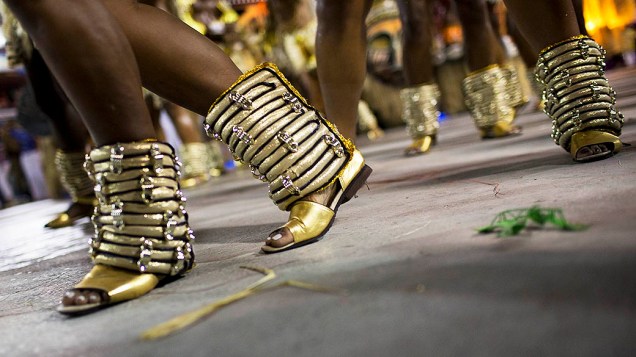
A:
[(512, 222)]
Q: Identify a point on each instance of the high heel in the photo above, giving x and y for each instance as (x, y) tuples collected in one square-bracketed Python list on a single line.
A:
[(579, 99)]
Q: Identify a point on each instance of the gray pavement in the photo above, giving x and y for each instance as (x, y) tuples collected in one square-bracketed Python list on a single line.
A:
[(414, 278)]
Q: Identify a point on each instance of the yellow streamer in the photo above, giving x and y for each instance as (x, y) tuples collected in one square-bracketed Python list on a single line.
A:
[(188, 319)]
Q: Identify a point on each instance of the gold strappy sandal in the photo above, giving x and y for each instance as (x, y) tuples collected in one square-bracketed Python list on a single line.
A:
[(487, 99), (141, 226), (421, 116), (267, 124), (579, 99)]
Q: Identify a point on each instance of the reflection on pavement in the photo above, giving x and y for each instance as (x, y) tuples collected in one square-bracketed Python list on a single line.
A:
[(25, 241)]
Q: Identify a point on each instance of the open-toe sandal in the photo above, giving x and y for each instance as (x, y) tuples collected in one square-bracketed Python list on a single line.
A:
[(287, 143), (309, 221), (141, 226)]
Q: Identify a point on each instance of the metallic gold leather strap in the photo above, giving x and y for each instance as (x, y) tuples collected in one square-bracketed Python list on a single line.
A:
[(486, 97), (577, 94), (104, 153), (145, 219), (140, 220), (269, 125), (420, 110)]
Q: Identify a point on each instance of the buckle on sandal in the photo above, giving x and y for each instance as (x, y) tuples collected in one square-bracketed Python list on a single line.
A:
[(242, 101), (242, 135), (287, 141), (337, 148), (294, 102), (116, 159)]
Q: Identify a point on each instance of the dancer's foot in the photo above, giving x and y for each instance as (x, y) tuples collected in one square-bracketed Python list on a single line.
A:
[(282, 236), (75, 212)]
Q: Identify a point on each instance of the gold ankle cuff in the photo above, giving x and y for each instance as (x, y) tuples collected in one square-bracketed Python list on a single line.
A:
[(286, 142), (486, 97), (577, 94), (140, 220)]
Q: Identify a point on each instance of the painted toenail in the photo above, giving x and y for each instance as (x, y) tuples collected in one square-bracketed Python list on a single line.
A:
[(277, 236)]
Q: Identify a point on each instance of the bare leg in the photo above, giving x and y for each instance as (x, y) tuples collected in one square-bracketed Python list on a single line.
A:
[(98, 60), (482, 46), (417, 38), (558, 21), (68, 129), (342, 30), (71, 137), (175, 61), (185, 122)]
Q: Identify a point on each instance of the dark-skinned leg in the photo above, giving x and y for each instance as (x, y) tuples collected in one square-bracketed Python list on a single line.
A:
[(342, 30), (194, 151), (482, 46), (71, 138), (175, 61), (588, 130), (341, 27), (181, 44), (421, 94), (98, 72), (486, 85)]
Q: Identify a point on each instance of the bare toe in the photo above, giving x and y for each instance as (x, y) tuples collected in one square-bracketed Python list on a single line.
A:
[(68, 298), (592, 150), (81, 297), (279, 238)]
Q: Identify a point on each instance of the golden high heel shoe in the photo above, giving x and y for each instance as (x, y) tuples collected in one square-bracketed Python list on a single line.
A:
[(487, 99), (268, 125), (141, 226), (70, 167), (419, 112), (579, 99)]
